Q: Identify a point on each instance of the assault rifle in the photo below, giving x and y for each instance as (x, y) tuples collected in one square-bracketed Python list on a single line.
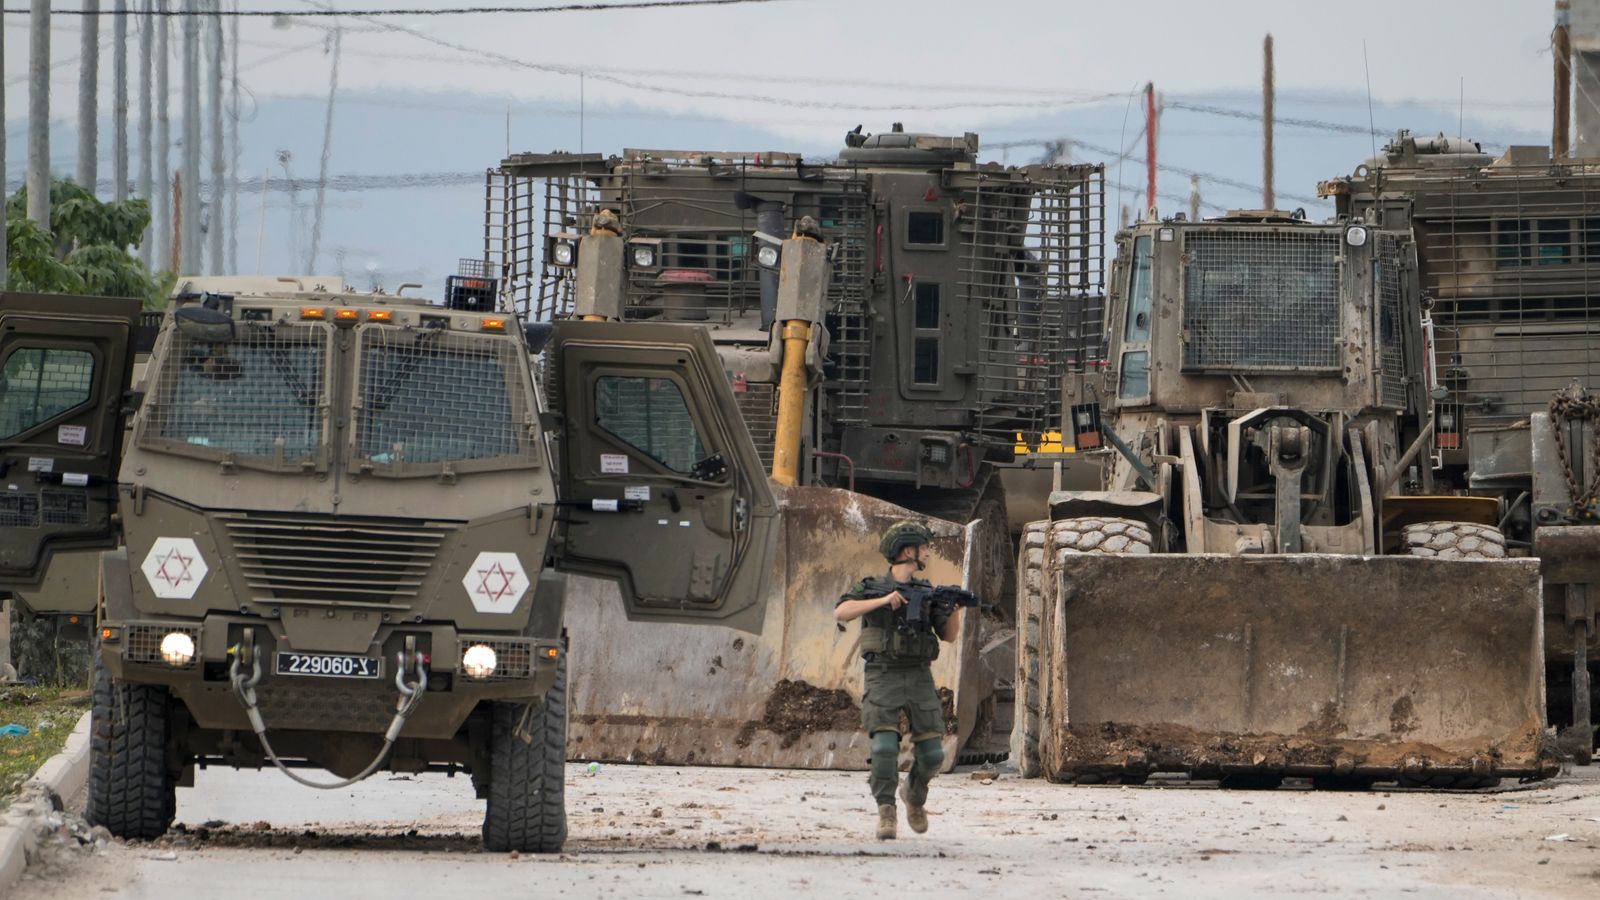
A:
[(923, 601)]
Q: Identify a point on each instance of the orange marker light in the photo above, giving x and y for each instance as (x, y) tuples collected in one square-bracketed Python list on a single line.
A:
[(312, 312), (494, 324), (380, 315), (346, 315), (552, 652), (105, 634)]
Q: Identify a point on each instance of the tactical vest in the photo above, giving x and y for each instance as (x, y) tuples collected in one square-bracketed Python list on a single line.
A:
[(882, 641)]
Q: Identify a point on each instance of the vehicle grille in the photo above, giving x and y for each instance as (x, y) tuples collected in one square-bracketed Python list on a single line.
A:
[(144, 643), (1261, 302), (514, 658), (325, 560)]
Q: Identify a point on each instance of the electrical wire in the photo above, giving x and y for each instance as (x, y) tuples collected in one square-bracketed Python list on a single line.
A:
[(428, 11)]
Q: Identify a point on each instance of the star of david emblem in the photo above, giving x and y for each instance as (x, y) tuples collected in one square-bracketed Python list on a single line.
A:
[(174, 568), (495, 582)]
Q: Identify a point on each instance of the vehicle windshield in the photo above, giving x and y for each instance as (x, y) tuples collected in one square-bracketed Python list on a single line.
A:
[(1261, 300), (259, 395), (434, 396)]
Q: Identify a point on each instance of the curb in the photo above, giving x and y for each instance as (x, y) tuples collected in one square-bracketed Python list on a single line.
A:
[(62, 775)]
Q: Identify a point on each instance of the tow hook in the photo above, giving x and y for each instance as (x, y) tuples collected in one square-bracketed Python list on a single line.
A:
[(409, 661)]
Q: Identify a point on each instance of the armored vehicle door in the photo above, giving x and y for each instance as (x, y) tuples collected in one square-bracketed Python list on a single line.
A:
[(65, 363), (661, 487)]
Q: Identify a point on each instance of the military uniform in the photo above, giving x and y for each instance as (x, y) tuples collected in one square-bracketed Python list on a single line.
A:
[(899, 679)]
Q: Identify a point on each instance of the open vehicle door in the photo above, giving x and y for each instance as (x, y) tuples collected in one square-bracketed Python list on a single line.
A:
[(65, 365), (661, 487)]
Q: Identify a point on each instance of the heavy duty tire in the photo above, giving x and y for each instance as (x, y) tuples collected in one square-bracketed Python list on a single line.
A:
[(1454, 540), (527, 809), (132, 790), (1025, 705)]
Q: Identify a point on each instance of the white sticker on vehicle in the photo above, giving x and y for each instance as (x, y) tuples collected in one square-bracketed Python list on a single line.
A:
[(636, 492), (174, 568), (603, 505), (73, 435), (614, 463), (41, 464), (495, 582), (75, 479)]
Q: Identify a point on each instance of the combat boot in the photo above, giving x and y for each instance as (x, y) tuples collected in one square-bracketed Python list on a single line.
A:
[(916, 814), (886, 822)]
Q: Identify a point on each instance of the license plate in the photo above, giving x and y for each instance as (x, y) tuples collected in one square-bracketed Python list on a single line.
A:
[(327, 665)]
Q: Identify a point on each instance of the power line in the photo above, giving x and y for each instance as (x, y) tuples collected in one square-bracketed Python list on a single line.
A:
[(431, 11)]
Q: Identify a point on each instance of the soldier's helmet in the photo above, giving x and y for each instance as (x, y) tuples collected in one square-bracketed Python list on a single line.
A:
[(901, 535)]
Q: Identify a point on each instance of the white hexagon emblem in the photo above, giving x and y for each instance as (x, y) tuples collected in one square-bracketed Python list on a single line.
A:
[(174, 568), (495, 582)]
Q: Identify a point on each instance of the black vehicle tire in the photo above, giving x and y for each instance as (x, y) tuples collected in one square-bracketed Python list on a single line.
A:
[(132, 790), (1448, 782), (1454, 540), (527, 809), (1100, 534), (1030, 597)]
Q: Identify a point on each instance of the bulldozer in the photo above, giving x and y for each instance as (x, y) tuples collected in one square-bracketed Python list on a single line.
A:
[(1504, 248), (1238, 601), (890, 322)]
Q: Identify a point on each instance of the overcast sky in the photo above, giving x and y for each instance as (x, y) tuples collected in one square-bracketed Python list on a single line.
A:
[(817, 62)]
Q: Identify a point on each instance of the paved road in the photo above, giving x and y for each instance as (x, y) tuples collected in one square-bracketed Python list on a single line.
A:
[(641, 831)]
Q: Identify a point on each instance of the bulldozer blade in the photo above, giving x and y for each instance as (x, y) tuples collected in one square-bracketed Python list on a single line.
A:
[(1308, 665), (710, 695)]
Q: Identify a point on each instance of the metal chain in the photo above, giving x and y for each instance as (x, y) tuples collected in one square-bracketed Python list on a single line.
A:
[(1577, 406)]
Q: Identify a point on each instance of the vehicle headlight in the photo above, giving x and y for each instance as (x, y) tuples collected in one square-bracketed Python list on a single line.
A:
[(644, 257), (1355, 235), (177, 649), (563, 253), (767, 256), (479, 661)]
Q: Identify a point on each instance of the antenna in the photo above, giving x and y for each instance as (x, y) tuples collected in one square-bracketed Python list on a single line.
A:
[(1461, 114), (1372, 129)]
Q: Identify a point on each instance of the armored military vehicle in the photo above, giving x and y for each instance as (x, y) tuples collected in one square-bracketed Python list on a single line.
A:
[(1508, 255), (1224, 605), (920, 304), (343, 520)]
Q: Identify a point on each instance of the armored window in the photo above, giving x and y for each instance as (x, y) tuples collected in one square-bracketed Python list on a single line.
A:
[(927, 305), (1261, 301), (1555, 242), (650, 415), (38, 384), (925, 227), (927, 332), (1134, 381), (925, 362), (1139, 293)]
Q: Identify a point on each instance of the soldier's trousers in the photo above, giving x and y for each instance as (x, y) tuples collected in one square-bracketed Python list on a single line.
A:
[(891, 692)]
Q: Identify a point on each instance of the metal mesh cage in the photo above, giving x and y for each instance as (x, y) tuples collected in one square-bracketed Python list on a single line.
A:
[(1261, 301), (513, 657), (1391, 330), (434, 396), (261, 396), (144, 643)]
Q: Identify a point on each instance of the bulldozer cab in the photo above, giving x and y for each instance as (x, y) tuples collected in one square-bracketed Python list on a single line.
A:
[(65, 364), (665, 493)]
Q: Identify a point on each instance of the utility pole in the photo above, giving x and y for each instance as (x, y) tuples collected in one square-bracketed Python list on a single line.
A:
[(1194, 198), (146, 40), (89, 94), (190, 258), (1150, 145), (1268, 95), (327, 153), (5, 263), (214, 100), (39, 113), (163, 157), (176, 262), (233, 141), (1561, 49), (119, 102)]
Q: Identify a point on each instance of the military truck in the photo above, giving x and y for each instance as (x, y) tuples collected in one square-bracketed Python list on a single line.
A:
[(1238, 600), (921, 315), (337, 533), (1508, 250)]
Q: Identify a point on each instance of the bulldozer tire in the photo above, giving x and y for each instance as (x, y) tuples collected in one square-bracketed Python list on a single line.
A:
[(527, 809), (1030, 598), (1454, 540), (1100, 534), (1448, 782), (132, 791)]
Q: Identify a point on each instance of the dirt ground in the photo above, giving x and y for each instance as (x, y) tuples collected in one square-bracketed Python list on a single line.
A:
[(644, 831)]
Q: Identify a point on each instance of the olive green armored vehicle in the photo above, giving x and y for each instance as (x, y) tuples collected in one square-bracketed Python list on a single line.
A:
[(343, 520)]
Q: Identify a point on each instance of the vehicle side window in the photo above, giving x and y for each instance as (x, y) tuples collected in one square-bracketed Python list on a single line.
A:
[(650, 415), (1138, 325), (37, 384)]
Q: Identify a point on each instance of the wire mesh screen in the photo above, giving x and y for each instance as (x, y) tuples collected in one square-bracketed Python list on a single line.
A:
[(1256, 300), (651, 415), (39, 384), (430, 397), (1510, 255), (262, 395), (1391, 330), (1034, 266)]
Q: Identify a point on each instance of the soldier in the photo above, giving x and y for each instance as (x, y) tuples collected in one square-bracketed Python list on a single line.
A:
[(899, 677)]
